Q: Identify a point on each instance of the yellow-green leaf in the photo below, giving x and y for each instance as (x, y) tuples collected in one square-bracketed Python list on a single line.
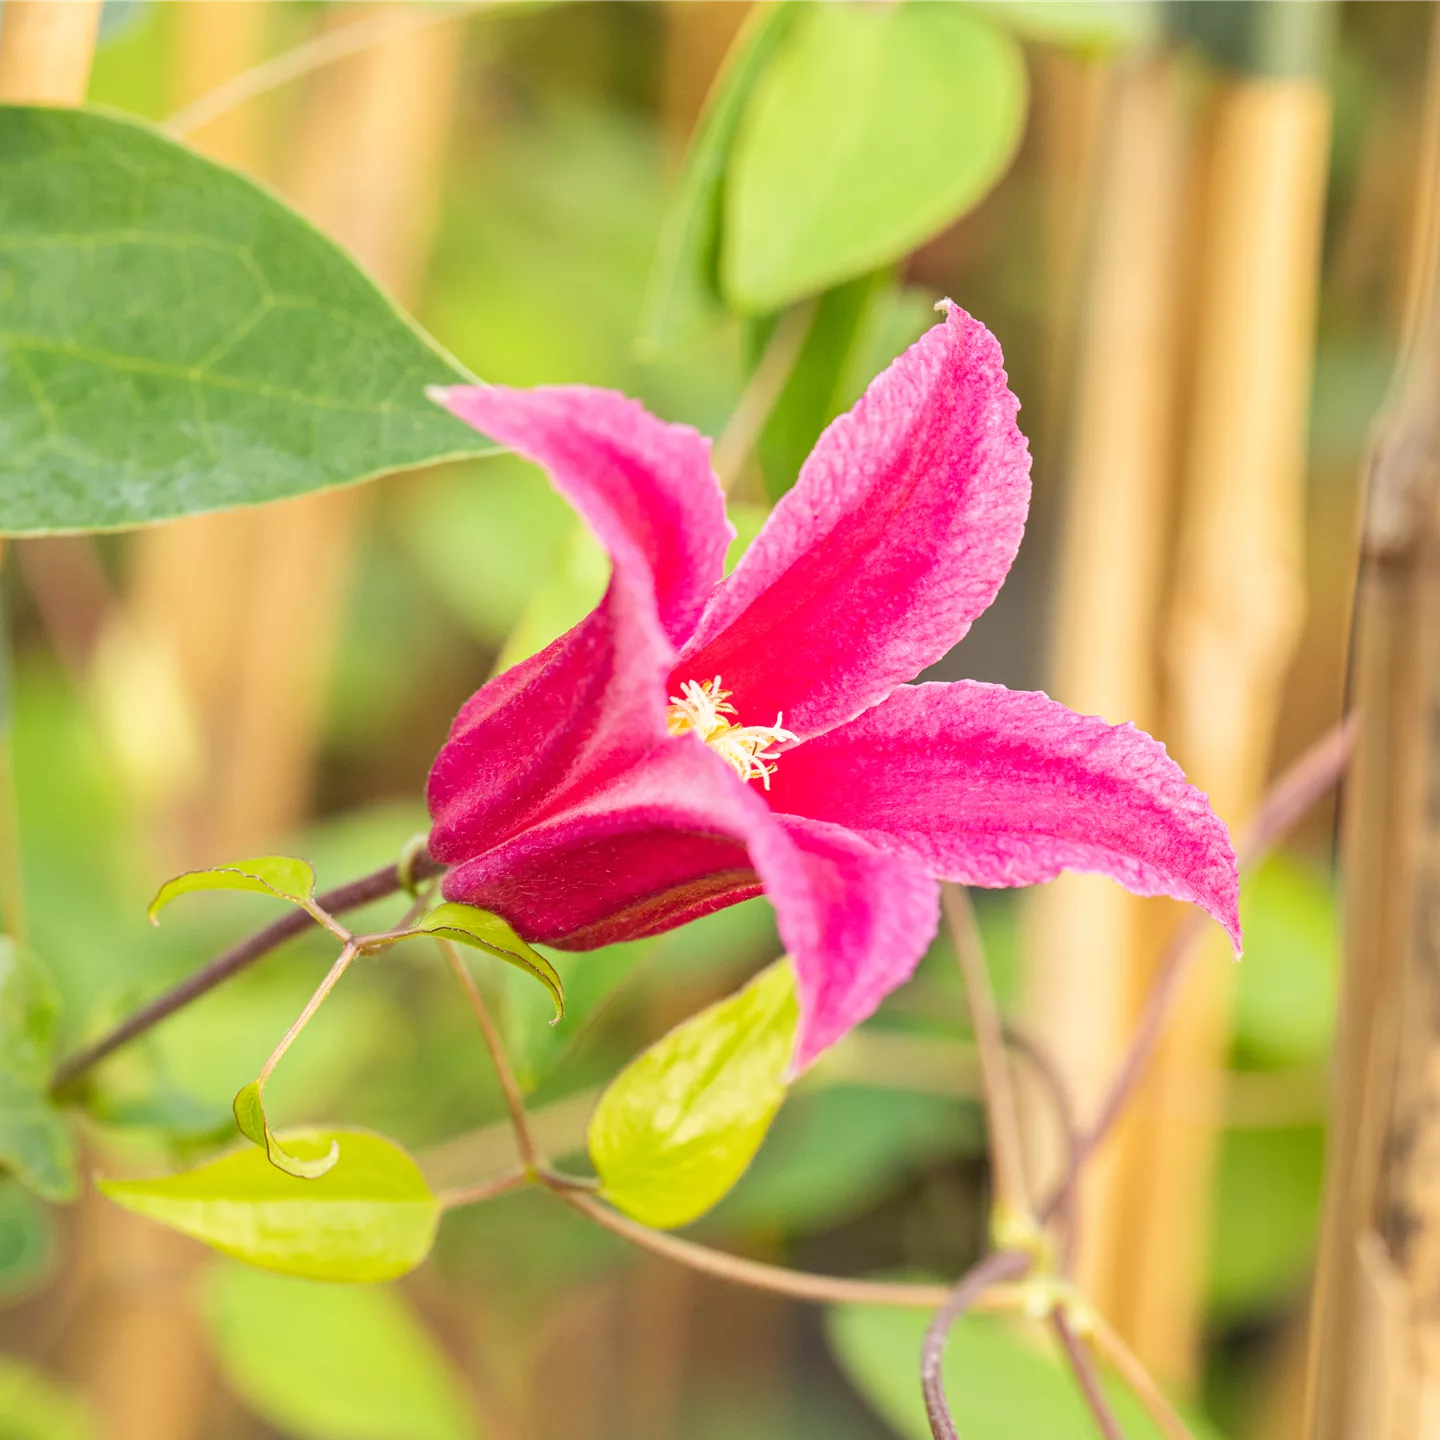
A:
[(680, 1124), (33, 1407), (487, 932), (250, 1117), (372, 1217), (278, 875)]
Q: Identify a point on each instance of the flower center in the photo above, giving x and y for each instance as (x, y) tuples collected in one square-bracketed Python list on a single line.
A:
[(700, 707)]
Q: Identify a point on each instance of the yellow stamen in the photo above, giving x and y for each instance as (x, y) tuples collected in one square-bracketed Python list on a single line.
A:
[(701, 707)]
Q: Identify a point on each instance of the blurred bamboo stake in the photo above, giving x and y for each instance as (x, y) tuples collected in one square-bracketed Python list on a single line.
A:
[(45, 50), (1375, 1339), (1235, 620), (1086, 931)]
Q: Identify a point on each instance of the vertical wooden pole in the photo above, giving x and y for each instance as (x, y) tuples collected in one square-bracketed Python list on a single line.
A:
[(1375, 1339), (1086, 932), (1234, 622), (45, 50)]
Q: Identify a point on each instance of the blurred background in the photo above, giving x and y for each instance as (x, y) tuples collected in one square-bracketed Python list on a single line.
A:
[(1191, 227)]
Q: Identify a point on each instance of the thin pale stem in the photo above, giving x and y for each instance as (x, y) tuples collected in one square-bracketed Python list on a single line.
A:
[(1001, 1115), (326, 921), (1141, 1383), (1088, 1377), (514, 1101), (762, 392), (993, 1271), (798, 1284), (485, 1190), (341, 965)]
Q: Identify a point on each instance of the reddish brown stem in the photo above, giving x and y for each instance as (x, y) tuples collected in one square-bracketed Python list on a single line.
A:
[(1088, 1377)]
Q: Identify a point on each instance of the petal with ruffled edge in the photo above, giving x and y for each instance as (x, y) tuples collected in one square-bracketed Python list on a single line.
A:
[(898, 533), (592, 702), (679, 836), (997, 787)]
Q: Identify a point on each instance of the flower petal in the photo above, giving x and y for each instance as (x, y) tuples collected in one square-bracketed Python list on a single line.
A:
[(643, 486), (998, 787), (679, 836), (593, 702), (898, 533)]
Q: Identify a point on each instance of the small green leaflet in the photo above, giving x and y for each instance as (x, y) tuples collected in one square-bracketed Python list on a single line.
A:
[(35, 1145), (483, 931), (250, 1117), (174, 339), (372, 1217), (278, 875), (873, 128), (683, 292), (330, 1362), (678, 1126)]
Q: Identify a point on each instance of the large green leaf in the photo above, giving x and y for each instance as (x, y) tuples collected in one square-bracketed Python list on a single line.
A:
[(677, 1127), (1003, 1378), (873, 128), (35, 1408), (280, 875), (371, 1217), (684, 285), (174, 339), (321, 1362)]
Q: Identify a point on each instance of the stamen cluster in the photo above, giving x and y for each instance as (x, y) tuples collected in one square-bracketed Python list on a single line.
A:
[(702, 707)]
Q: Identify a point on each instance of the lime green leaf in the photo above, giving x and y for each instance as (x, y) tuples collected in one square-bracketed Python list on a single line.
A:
[(321, 1362), (35, 1145), (677, 1127), (684, 289), (1003, 1378), (28, 1243), (873, 128), (34, 1408), (278, 875), (372, 1217), (250, 1117), (484, 931), (174, 339)]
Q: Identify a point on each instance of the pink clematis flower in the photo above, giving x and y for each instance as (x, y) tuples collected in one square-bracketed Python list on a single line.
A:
[(696, 740)]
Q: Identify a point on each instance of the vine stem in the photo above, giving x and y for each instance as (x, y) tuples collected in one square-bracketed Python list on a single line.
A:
[(485, 1190), (1085, 1372), (332, 977), (514, 1100), (966, 1294)]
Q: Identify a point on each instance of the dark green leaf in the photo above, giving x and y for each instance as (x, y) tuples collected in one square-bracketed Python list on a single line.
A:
[(278, 875), (872, 129), (372, 1217), (1003, 1378), (250, 1117), (34, 1408), (321, 1362), (684, 288), (678, 1126), (174, 339), (27, 1243), (483, 931)]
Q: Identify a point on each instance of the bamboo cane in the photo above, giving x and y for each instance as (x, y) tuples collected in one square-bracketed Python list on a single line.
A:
[(1375, 1338), (1085, 931), (45, 50), (1235, 620)]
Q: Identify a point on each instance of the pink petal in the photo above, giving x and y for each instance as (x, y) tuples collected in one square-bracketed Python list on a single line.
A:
[(643, 486), (679, 836), (999, 787), (899, 532), (593, 702)]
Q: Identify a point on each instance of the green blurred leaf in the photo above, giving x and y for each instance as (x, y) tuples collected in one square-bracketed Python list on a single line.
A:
[(372, 1217), (35, 1145), (684, 289), (1003, 1378), (678, 1126), (278, 875), (1080, 24), (34, 1408), (1266, 1218), (29, 1006), (873, 128), (28, 1243), (177, 340), (249, 1110), (176, 1114), (481, 930), (324, 1363), (1287, 985)]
